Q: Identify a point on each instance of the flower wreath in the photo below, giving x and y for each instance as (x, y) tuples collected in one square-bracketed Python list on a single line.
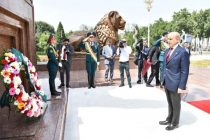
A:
[(30, 104)]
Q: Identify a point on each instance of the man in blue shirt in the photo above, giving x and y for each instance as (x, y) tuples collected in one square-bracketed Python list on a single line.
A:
[(109, 53)]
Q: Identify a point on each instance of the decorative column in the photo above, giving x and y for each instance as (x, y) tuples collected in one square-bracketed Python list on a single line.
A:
[(149, 6)]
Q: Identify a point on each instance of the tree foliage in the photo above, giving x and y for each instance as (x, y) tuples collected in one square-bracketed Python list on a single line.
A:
[(41, 26), (60, 34), (41, 42), (195, 23)]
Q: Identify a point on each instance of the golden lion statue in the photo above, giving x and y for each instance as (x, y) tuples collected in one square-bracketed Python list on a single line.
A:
[(106, 29)]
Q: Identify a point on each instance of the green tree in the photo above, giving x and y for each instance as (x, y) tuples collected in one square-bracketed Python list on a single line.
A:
[(41, 26), (182, 20), (41, 42), (60, 34)]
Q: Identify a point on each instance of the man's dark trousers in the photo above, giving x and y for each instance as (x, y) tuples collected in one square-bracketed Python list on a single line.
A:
[(140, 67), (154, 73), (174, 100), (66, 66), (125, 66)]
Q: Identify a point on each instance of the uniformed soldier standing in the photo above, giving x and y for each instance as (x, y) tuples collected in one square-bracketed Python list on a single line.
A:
[(52, 64), (92, 49)]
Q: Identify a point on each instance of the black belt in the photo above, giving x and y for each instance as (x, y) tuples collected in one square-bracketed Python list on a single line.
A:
[(124, 62)]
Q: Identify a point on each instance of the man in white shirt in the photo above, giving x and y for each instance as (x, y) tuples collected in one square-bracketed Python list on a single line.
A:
[(124, 51)]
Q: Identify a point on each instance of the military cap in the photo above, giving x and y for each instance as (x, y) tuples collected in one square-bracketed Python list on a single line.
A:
[(91, 33), (66, 39)]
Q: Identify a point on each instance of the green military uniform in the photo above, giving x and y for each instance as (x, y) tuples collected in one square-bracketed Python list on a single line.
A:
[(52, 67), (91, 64)]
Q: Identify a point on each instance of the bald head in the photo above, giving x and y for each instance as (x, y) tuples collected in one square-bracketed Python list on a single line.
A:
[(173, 39)]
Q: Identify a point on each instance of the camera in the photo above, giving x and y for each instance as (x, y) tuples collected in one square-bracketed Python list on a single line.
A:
[(121, 44)]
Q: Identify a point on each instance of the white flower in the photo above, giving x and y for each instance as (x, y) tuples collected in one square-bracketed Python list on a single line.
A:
[(7, 80), (10, 69), (25, 96), (33, 69), (25, 58), (15, 64), (32, 76), (7, 59), (38, 83), (35, 106), (16, 102), (9, 54), (17, 81), (17, 91)]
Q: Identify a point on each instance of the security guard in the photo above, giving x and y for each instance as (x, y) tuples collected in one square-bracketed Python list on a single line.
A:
[(52, 64), (92, 49)]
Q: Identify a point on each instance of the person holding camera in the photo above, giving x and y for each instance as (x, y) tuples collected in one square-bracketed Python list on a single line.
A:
[(124, 51), (65, 52), (142, 54)]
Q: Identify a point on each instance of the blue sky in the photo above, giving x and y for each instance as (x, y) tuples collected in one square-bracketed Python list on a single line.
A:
[(74, 13)]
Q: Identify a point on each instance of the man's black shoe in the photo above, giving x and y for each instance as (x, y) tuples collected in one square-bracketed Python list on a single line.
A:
[(121, 85), (171, 127), (61, 86), (139, 82), (148, 85), (56, 93), (164, 122), (89, 87), (68, 86), (130, 86), (93, 86), (157, 84)]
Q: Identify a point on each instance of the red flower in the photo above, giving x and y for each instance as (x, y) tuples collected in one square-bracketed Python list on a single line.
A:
[(11, 85), (11, 76), (11, 59), (4, 62), (18, 97)]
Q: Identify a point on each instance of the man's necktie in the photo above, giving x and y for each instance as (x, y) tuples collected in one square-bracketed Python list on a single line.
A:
[(64, 54), (168, 55)]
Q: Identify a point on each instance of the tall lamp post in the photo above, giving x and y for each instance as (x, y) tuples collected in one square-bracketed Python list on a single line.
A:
[(149, 6)]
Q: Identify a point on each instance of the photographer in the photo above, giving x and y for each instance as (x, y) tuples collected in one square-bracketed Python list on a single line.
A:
[(141, 53), (124, 51)]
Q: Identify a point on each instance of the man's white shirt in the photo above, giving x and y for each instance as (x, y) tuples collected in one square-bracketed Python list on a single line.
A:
[(124, 53)]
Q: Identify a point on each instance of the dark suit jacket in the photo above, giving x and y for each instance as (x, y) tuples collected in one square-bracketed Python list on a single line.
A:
[(176, 70), (154, 54), (69, 52)]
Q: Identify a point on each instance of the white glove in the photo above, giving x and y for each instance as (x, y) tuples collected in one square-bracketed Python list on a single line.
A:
[(60, 64), (162, 38), (98, 63)]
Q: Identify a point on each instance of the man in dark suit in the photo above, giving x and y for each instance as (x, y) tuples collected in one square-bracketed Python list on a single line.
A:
[(65, 52), (176, 70), (153, 58)]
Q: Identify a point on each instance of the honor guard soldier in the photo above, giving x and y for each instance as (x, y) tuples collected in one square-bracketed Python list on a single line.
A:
[(92, 49), (52, 64)]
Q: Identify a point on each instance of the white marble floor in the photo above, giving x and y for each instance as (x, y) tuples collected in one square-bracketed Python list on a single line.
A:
[(113, 113)]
